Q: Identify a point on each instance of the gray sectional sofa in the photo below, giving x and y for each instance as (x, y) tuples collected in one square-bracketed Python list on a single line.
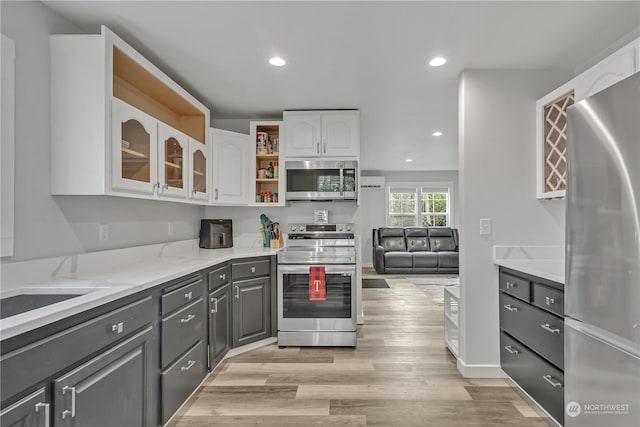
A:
[(406, 250)]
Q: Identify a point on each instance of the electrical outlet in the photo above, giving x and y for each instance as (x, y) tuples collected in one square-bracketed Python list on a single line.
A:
[(103, 233), (485, 226), (170, 228)]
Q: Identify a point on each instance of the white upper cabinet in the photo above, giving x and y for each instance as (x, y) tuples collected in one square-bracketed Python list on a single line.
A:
[(322, 133), (609, 71), (230, 168), (121, 127), (551, 116)]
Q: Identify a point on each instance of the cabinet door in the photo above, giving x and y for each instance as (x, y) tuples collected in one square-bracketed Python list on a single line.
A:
[(109, 390), (607, 72), (219, 323), (173, 148), (135, 146), (32, 411), (231, 168), (251, 310), (302, 134), (199, 170), (340, 133)]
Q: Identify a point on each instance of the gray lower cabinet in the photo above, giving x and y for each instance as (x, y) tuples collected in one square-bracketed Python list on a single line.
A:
[(32, 411), (532, 337), (219, 323), (109, 390), (251, 310)]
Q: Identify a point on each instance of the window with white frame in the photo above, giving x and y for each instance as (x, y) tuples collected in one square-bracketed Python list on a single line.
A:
[(425, 205)]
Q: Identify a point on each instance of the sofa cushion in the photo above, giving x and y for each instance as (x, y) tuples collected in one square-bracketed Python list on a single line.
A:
[(398, 260), (447, 260), (416, 238), (425, 260), (440, 232), (442, 244), (392, 239)]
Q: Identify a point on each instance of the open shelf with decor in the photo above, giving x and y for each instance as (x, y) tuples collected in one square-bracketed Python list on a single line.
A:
[(267, 182)]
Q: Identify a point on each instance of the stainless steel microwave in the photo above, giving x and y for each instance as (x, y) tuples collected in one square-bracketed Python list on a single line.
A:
[(322, 180)]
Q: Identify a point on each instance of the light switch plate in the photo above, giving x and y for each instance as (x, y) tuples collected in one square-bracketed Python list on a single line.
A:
[(485, 226), (103, 232)]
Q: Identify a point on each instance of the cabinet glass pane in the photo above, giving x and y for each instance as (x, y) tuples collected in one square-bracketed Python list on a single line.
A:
[(136, 146), (173, 161), (199, 172)]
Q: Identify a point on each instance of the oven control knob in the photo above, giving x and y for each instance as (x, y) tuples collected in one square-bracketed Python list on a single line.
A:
[(294, 228), (339, 228), (302, 228), (348, 228)]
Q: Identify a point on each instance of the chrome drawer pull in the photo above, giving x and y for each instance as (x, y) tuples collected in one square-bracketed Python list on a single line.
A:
[(511, 349), (253, 269), (188, 319), (117, 328), (237, 292), (548, 328), (214, 310), (189, 365), (511, 285), (46, 408), (188, 295), (223, 276), (550, 380), (72, 412), (510, 307), (549, 301)]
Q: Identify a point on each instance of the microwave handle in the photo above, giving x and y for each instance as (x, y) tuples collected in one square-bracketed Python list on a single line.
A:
[(342, 180)]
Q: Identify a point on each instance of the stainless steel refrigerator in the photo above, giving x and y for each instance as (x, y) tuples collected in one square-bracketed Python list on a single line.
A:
[(602, 294)]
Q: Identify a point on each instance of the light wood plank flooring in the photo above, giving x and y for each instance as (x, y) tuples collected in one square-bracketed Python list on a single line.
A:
[(399, 375)]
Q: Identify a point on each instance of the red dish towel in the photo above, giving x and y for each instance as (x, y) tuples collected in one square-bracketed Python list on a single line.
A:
[(317, 284)]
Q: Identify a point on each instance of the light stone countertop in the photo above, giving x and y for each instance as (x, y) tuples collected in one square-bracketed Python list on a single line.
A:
[(546, 262), (105, 276)]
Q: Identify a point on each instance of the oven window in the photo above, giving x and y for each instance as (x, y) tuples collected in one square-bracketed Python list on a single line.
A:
[(296, 304)]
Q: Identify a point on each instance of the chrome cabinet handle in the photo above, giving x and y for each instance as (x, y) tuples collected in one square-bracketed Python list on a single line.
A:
[(188, 295), (117, 328), (237, 292), (549, 301), (216, 190), (324, 148), (189, 365), (223, 276), (547, 327), (70, 413), (510, 307), (550, 380), (194, 192), (253, 269), (214, 310), (318, 147), (188, 319), (165, 186), (511, 349), (511, 285), (46, 408)]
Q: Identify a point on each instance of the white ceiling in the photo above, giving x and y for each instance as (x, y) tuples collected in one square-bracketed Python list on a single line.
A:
[(365, 55)]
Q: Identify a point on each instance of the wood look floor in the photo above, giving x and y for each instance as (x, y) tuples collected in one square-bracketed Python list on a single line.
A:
[(400, 374)]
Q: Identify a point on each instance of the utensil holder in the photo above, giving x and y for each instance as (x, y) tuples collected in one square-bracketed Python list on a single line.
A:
[(276, 243)]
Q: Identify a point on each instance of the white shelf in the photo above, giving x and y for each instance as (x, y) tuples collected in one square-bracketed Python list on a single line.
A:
[(451, 330), (452, 345), (451, 318)]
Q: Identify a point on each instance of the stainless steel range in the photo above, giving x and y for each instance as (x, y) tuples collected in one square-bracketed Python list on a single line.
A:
[(317, 286)]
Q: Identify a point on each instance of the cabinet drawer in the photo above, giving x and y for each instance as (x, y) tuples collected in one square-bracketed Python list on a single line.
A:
[(33, 410), (243, 270), (539, 330), (25, 366), (548, 299), (219, 276), (181, 330), (181, 379), (516, 286), (190, 291), (543, 381)]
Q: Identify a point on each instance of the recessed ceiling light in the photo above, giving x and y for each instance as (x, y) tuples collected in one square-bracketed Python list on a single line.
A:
[(409, 160), (277, 61), (437, 61), (437, 133)]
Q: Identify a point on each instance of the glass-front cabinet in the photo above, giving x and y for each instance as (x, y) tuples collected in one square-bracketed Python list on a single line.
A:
[(174, 147), (199, 171), (134, 149)]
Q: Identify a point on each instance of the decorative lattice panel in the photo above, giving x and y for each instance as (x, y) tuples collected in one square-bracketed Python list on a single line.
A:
[(555, 143)]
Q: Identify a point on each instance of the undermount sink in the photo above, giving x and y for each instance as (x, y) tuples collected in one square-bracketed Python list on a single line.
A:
[(18, 304)]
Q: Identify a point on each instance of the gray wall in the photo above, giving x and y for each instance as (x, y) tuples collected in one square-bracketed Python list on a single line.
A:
[(372, 201), (497, 181), (48, 226)]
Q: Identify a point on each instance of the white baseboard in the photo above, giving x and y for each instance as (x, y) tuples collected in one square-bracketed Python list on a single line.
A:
[(243, 349), (479, 371)]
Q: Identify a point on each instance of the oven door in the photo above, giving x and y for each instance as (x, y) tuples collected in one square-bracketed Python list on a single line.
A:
[(297, 313)]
